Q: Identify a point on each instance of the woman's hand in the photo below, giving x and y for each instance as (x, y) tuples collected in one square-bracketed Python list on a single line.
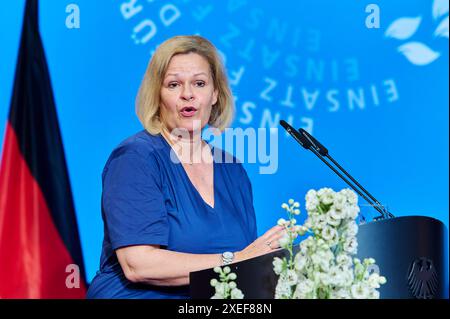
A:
[(265, 244)]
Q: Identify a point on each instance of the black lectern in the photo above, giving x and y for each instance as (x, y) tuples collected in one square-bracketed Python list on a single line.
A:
[(411, 252)]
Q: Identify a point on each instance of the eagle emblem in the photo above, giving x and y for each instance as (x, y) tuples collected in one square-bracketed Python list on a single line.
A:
[(423, 279)]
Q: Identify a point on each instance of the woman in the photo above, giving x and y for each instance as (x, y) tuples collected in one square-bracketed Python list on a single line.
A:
[(169, 205)]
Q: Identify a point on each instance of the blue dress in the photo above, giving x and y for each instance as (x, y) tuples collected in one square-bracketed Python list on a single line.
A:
[(148, 199)]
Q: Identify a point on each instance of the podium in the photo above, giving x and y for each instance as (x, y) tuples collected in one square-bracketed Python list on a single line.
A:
[(411, 252)]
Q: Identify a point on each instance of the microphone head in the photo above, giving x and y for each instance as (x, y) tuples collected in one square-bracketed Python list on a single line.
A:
[(285, 125), (295, 134), (315, 143)]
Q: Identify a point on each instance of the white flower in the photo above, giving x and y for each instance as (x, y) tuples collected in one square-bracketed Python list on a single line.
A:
[(318, 222), (332, 222), (322, 260), (218, 296), (317, 258), (284, 241), (232, 276), (330, 235), (232, 285), (369, 261), (300, 261), (327, 200), (337, 214), (373, 294), (301, 230), (213, 282), (311, 195), (282, 222), (304, 247), (351, 196), (312, 204), (359, 291), (339, 201), (346, 277), (278, 265), (308, 223), (335, 276), (326, 196), (236, 294), (325, 278), (316, 272), (304, 288), (344, 260), (291, 277), (321, 244), (324, 191), (351, 229), (283, 289), (284, 206), (352, 211), (221, 288), (351, 246), (342, 293), (374, 280)]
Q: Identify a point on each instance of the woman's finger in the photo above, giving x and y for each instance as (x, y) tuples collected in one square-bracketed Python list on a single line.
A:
[(274, 230), (275, 239)]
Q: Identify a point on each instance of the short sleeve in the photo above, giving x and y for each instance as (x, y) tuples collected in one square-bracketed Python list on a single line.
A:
[(133, 204)]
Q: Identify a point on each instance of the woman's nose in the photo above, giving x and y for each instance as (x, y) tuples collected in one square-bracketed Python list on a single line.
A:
[(187, 93)]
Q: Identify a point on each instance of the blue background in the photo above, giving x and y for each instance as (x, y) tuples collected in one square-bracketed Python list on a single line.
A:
[(397, 148)]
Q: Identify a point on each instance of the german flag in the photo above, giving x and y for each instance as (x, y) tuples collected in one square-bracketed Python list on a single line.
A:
[(40, 252)]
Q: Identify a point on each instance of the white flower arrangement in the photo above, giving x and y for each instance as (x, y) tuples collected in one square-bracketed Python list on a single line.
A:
[(226, 288), (324, 266)]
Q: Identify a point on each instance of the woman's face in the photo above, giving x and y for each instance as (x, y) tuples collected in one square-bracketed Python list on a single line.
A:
[(187, 93)]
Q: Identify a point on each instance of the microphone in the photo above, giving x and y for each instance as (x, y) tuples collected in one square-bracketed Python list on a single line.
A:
[(315, 143), (304, 142), (322, 150), (307, 141)]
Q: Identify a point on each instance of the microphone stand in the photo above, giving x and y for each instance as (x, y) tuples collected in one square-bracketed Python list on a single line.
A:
[(318, 149), (308, 142)]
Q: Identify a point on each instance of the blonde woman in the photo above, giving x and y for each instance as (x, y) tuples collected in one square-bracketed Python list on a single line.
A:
[(170, 203)]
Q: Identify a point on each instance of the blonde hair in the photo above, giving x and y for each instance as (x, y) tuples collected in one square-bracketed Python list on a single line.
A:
[(148, 98)]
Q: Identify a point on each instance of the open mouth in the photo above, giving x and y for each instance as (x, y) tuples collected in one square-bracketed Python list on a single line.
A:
[(188, 111)]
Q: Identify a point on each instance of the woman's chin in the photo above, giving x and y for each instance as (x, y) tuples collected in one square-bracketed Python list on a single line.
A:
[(191, 125)]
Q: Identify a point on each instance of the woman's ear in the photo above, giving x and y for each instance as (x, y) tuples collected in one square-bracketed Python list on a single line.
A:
[(215, 97)]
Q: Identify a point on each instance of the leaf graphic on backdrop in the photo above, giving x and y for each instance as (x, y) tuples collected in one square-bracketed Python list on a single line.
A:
[(418, 53), (442, 29), (403, 28), (440, 7)]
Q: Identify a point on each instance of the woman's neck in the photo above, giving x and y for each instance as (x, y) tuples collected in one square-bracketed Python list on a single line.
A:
[(188, 147)]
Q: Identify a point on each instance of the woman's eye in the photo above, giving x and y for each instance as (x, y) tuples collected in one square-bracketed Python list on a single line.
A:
[(172, 85), (200, 83)]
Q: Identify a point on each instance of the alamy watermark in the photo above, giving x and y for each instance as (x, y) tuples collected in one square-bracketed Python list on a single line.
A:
[(73, 19), (250, 145), (373, 19), (73, 279)]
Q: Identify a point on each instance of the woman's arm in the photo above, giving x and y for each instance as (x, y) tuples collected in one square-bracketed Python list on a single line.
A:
[(152, 265)]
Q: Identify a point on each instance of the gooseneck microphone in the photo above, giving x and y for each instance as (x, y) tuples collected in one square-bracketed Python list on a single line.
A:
[(296, 135), (308, 142)]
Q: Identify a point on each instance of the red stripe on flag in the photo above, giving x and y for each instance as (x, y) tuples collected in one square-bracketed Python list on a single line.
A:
[(33, 258)]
